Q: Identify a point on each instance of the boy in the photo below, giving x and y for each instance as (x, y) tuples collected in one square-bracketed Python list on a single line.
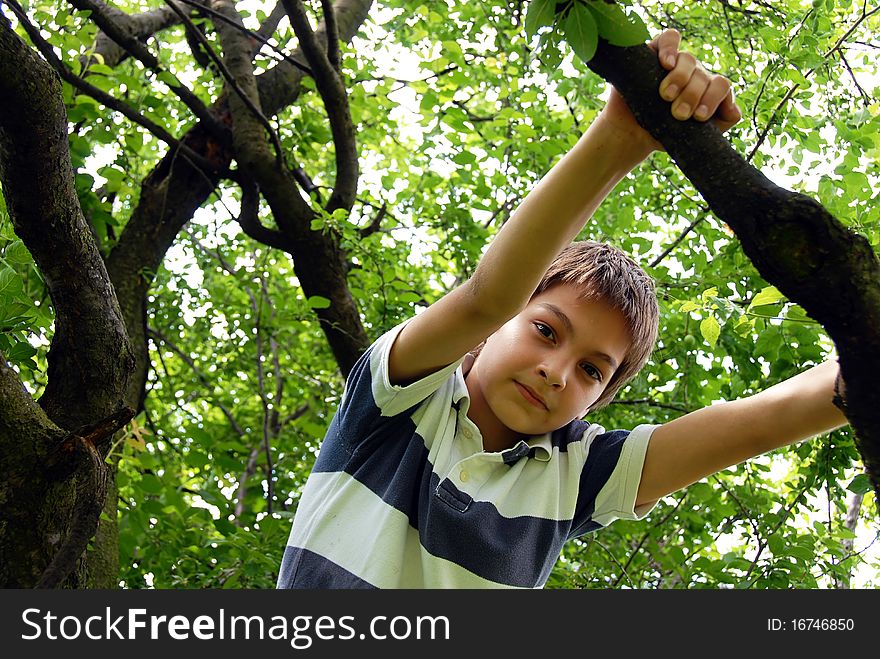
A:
[(457, 457)]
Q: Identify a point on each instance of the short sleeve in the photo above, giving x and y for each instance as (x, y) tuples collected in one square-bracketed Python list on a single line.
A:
[(393, 399), (610, 478), (371, 408)]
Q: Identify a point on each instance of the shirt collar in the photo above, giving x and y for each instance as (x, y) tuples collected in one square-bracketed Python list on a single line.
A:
[(541, 447)]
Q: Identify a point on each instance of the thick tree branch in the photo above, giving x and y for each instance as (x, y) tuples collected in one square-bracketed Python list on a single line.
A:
[(141, 26), (332, 91), (250, 103), (793, 241), (20, 417), (91, 491), (81, 454), (90, 358)]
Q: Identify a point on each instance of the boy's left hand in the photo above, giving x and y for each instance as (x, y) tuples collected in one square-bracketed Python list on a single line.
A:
[(693, 92)]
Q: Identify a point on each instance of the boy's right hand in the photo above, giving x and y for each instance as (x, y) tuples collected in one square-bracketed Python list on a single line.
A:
[(692, 92)]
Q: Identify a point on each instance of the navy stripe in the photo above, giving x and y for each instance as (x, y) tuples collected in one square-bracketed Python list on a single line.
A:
[(519, 551), (304, 569), (568, 434), (601, 460)]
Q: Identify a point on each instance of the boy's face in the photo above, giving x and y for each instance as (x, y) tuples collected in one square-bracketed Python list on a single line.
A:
[(548, 364)]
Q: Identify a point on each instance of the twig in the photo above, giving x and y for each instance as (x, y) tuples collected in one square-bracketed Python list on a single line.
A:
[(332, 33), (101, 96)]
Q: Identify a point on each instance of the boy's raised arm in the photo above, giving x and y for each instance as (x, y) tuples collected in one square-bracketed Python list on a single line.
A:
[(706, 441), (551, 216)]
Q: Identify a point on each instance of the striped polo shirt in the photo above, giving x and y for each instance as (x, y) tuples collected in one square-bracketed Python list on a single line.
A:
[(402, 494)]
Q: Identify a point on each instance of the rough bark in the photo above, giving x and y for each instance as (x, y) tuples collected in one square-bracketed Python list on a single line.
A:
[(793, 241), (90, 358), (55, 482)]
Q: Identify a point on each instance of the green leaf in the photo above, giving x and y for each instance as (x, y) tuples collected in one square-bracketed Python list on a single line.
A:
[(861, 484), (10, 282), (225, 526), (777, 545), (616, 27), (151, 484), (464, 158), (318, 302), (710, 329), (581, 32), (409, 297), (539, 14), (21, 352), (709, 293), (168, 79), (768, 295), (551, 56), (803, 553), (101, 69)]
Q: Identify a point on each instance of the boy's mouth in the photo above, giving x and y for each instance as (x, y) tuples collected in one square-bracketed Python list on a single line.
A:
[(531, 396)]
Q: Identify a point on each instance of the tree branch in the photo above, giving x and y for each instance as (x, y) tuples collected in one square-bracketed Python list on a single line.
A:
[(249, 219), (141, 26), (82, 453), (268, 27), (793, 241), (332, 33), (250, 103), (91, 491), (90, 357), (332, 91)]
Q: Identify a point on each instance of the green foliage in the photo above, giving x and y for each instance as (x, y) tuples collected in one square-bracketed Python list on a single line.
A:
[(460, 108), (25, 312), (584, 22)]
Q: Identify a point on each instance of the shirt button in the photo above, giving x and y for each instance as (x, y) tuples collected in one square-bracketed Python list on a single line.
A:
[(463, 476), (467, 433)]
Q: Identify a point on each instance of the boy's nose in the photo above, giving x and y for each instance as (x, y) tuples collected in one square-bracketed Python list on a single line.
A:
[(552, 376)]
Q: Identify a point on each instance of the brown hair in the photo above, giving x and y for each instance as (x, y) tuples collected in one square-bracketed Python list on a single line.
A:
[(604, 272)]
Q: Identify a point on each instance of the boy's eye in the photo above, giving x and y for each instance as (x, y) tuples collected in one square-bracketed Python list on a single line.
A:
[(544, 330), (592, 371)]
